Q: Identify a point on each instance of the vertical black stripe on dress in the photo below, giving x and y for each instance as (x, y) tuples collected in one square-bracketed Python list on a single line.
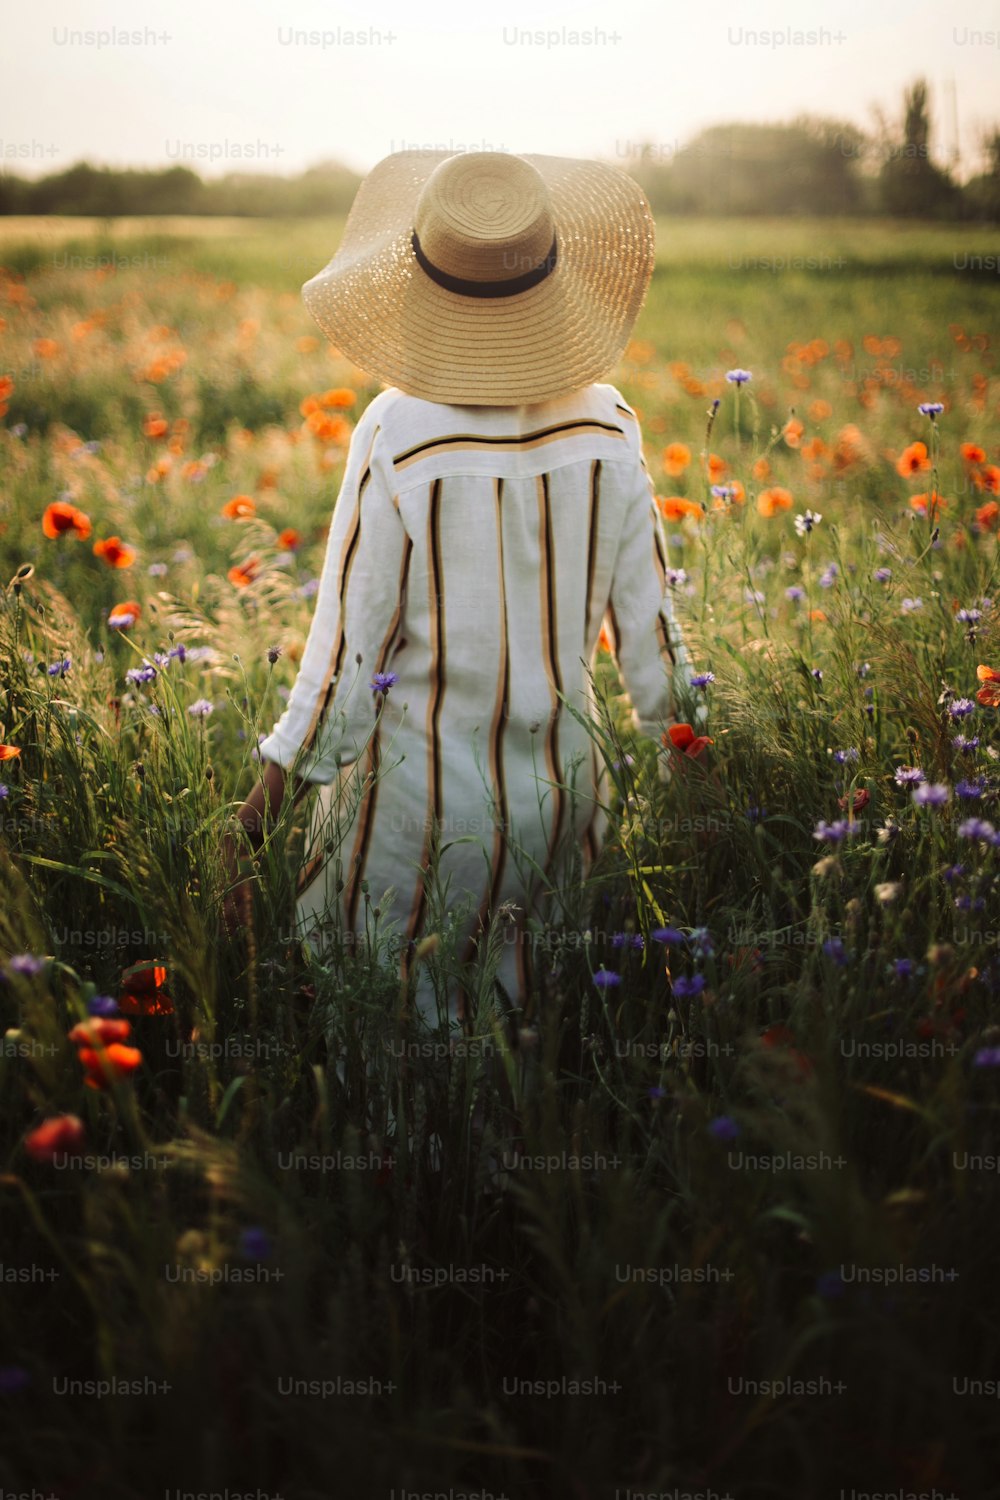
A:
[(497, 729), (363, 837), (436, 606), (550, 635)]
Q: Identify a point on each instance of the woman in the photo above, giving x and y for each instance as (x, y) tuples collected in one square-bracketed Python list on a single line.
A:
[(495, 511)]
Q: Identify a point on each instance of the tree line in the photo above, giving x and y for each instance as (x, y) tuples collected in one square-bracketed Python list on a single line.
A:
[(811, 165)]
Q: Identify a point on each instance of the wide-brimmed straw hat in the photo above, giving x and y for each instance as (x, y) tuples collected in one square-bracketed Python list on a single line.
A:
[(487, 279)]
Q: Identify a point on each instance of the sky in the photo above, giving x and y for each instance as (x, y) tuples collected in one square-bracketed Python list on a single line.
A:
[(262, 86)]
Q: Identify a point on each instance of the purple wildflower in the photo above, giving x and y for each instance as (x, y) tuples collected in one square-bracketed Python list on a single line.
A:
[(25, 964), (738, 377), (975, 828), (882, 575), (607, 979), (102, 1005), (834, 948), (930, 409), (831, 833), (930, 794), (201, 708), (969, 791), (987, 1057), (686, 989), (961, 708), (383, 681), (254, 1244), (723, 1128), (909, 776), (794, 592), (667, 935), (702, 679)]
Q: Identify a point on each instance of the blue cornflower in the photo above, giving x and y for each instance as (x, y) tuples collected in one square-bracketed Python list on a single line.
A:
[(383, 681), (755, 813), (180, 652), (738, 377), (723, 491), (882, 575), (966, 744), (961, 708), (969, 616), (829, 575), (909, 776), (806, 521), (656, 1092), (831, 833), (255, 1243), (607, 979), (702, 679), (686, 989), (701, 941), (817, 673), (627, 940), (903, 968), (953, 872), (987, 1057), (975, 828), (930, 409), (4, 791), (145, 673), (794, 591), (969, 791), (930, 794), (723, 1128), (667, 935), (59, 668), (201, 708), (910, 606), (676, 577), (834, 948), (25, 964), (843, 756), (102, 1005)]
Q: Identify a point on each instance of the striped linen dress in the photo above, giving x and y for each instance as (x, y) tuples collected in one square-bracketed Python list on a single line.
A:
[(474, 552)]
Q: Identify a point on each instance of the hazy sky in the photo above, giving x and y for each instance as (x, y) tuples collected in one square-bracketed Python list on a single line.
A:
[(202, 83)]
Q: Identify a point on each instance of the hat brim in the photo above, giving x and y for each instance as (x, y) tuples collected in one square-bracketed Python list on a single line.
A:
[(374, 301)]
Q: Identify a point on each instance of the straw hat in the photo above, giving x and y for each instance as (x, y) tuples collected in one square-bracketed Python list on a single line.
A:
[(487, 279)]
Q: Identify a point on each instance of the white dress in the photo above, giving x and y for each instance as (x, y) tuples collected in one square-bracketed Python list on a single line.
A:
[(475, 553)]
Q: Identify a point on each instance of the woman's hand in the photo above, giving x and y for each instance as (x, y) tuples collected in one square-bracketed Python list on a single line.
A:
[(263, 805), (237, 906)]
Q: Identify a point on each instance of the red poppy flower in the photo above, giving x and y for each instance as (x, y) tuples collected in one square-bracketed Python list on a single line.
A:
[(859, 802), (60, 518), (115, 552), (9, 752), (143, 991), (239, 507), (108, 1063), (682, 738), (62, 1135), (100, 1031)]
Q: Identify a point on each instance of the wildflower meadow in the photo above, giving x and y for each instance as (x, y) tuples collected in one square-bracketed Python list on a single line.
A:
[(709, 1211)]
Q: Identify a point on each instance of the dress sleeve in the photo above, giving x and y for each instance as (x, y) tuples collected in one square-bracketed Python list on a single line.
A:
[(649, 644), (331, 708)]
